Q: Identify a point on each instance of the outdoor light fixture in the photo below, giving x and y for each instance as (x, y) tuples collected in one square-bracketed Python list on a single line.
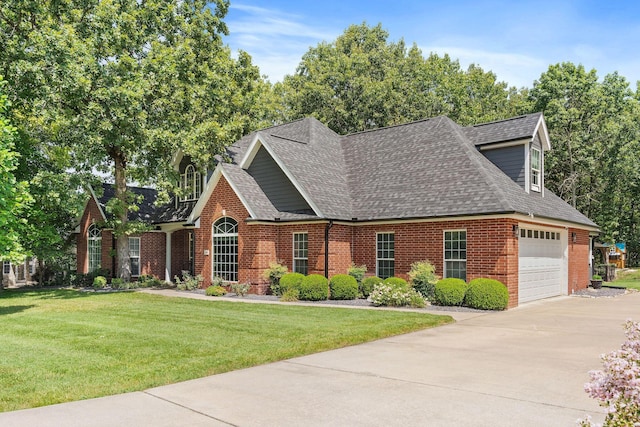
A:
[(515, 230), (574, 237)]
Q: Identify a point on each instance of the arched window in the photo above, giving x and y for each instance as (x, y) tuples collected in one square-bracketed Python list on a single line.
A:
[(225, 249), (94, 247), (192, 183)]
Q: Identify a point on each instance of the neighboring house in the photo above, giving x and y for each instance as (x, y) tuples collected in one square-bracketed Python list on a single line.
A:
[(23, 272), (471, 200), (615, 254)]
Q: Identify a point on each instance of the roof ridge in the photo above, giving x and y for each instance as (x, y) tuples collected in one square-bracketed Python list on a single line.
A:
[(522, 116), (474, 156), (393, 126)]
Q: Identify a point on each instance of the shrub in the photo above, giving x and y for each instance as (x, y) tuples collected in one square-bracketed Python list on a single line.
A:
[(273, 274), (290, 295), (423, 278), (343, 286), (215, 291), (99, 282), (314, 287), (290, 281), (149, 281), (396, 294), (357, 272), (368, 284), (450, 291), (241, 289), (616, 387), (188, 282), (395, 281), (118, 283), (487, 294)]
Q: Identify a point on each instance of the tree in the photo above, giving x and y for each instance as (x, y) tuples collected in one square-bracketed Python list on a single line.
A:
[(14, 196), (119, 87), (362, 81)]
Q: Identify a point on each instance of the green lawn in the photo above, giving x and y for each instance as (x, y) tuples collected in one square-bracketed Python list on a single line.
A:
[(627, 279), (64, 345)]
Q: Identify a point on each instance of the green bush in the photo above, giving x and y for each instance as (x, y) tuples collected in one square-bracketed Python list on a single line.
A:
[(273, 274), (314, 287), (487, 294), (450, 291), (368, 284), (343, 286), (215, 291), (188, 282), (290, 281), (357, 272), (290, 295), (395, 281), (118, 283), (423, 278), (99, 282), (241, 289)]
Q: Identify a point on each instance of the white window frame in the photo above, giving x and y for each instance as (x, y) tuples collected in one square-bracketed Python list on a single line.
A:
[(381, 251), (453, 254), (224, 248), (135, 254), (536, 169), (94, 248), (6, 267), (301, 253), (191, 183)]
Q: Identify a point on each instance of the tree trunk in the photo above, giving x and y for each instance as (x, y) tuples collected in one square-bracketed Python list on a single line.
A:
[(122, 236)]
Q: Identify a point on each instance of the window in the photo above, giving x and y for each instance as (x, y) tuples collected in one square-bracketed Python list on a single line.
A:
[(225, 249), (455, 254), (300, 253), (134, 255), (191, 182), (94, 247), (6, 267), (385, 255), (535, 169), (192, 252)]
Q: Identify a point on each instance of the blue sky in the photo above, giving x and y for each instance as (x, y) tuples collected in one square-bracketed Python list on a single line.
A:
[(517, 40)]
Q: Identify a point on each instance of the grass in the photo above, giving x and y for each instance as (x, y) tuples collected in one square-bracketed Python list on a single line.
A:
[(64, 345), (627, 279)]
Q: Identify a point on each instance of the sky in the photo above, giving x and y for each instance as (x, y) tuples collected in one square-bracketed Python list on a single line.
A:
[(517, 40)]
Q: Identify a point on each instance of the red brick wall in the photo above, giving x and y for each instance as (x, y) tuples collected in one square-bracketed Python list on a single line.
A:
[(492, 251), (578, 260), (92, 214), (179, 253)]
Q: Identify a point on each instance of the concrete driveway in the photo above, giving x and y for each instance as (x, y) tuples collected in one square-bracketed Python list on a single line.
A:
[(523, 367)]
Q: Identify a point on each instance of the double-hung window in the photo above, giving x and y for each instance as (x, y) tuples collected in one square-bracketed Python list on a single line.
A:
[(385, 255), (134, 255), (535, 169), (301, 253), (455, 254), (225, 249), (6, 267)]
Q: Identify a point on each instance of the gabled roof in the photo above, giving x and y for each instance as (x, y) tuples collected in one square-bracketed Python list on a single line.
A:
[(514, 129)]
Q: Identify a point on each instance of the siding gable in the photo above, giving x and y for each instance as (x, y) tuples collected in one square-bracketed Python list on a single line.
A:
[(276, 185), (511, 160)]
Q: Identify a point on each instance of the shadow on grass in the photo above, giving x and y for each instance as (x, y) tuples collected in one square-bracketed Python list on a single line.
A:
[(44, 293), (12, 309)]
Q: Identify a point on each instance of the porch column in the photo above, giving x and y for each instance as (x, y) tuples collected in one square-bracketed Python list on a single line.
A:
[(167, 257)]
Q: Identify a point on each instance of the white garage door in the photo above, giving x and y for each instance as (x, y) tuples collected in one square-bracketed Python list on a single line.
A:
[(542, 265)]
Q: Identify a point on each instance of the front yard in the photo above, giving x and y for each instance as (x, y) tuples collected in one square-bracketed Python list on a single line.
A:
[(65, 345), (629, 278)]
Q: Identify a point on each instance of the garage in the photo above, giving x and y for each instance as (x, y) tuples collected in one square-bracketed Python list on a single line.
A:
[(542, 266)]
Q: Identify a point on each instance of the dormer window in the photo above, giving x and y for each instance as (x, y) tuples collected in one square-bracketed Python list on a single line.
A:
[(535, 169), (191, 182)]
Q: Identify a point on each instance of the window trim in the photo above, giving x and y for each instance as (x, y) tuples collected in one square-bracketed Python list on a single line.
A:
[(444, 252), (191, 183), (94, 240), (536, 172), (305, 250), (6, 267), (232, 244), (138, 257), (378, 259)]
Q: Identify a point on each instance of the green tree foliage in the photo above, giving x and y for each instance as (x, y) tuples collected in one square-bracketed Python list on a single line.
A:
[(120, 86), (595, 134), (363, 81), (14, 196)]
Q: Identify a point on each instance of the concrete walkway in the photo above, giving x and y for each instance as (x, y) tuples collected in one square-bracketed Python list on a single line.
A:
[(522, 367)]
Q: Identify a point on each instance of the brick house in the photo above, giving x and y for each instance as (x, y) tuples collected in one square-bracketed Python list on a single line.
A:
[(471, 200)]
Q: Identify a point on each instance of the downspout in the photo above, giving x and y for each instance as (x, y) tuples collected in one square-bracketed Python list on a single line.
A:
[(326, 248)]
